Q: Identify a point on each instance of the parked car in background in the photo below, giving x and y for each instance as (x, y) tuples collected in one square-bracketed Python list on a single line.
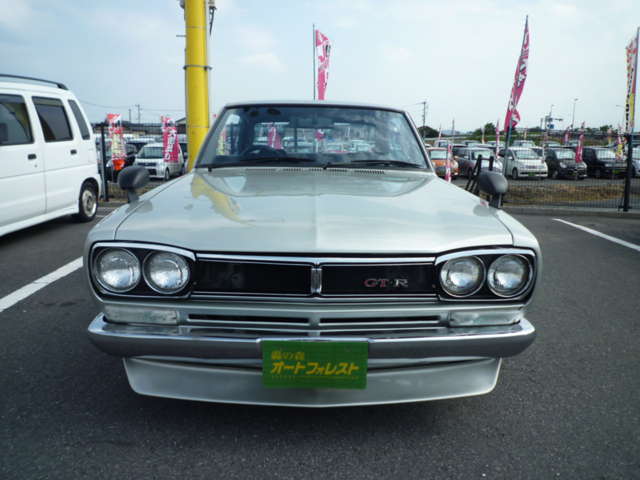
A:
[(272, 277), (523, 162), (47, 154), (468, 157), (138, 143), (551, 145), (538, 150), (438, 157), (184, 147), (150, 156), (561, 163), (442, 143), (601, 162), (493, 143), (635, 164), (524, 143)]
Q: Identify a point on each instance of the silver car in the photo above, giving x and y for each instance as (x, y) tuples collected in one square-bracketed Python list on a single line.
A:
[(277, 276)]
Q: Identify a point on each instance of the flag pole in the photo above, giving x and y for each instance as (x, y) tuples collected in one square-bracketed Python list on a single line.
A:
[(313, 42)]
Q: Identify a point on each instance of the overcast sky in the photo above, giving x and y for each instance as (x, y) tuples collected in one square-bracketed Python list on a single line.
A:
[(460, 56)]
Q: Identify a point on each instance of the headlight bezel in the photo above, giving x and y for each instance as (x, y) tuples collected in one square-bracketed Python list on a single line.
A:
[(487, 256), (141, 251)]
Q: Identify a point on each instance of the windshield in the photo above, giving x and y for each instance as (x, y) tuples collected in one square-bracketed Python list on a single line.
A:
[(438, 154), (150, 152), (605, 154), (312, 134), (526, 154), (565, 154)]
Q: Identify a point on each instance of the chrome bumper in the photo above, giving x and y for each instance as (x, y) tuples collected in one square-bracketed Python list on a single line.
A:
[(175, 341)]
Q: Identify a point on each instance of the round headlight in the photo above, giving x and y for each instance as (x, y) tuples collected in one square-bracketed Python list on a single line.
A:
[(166, 272), (461, 277), (508, 275), (117, 270)]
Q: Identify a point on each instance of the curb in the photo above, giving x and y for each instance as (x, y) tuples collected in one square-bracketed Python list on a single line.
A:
[(575, 212)]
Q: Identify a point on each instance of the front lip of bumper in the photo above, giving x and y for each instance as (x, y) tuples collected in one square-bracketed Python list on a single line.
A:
[(139, 341), (187, 381)]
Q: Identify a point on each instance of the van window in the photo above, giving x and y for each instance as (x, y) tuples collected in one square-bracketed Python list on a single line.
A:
[(15, 128), (84, 131), (53, 118)]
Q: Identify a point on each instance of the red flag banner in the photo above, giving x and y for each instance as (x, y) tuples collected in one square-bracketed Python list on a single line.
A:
[(632, 71), (118, 155), (323, 50), (513, 116), (580, 145), (170, 145), (273, 138)]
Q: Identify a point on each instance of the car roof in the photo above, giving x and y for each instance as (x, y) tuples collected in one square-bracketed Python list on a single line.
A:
[(153, 144), (311, 103), (33, 88)]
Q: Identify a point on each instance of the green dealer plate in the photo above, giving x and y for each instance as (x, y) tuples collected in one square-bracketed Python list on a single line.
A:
[(314, 364)]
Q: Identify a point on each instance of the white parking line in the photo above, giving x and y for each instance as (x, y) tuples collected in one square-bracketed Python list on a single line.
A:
[(22, 293), (633, 246)]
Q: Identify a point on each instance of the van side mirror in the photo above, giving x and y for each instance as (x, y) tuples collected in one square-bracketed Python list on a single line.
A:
[(495, 185), (131, 179)]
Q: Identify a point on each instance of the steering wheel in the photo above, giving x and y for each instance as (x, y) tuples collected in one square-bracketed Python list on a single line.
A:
[(259, 150)]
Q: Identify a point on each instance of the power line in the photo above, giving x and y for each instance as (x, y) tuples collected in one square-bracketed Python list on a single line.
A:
[(133, 105)]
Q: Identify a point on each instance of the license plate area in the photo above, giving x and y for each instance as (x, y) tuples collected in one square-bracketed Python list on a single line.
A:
[(314, 364)]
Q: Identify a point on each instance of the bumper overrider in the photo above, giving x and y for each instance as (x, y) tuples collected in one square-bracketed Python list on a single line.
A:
[(210, 348)]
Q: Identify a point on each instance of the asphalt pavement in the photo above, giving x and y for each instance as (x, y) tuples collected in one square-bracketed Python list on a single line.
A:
[(568, 407)]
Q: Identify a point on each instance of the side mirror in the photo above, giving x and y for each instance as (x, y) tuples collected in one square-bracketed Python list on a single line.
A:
[(493, 184), (131, 179)]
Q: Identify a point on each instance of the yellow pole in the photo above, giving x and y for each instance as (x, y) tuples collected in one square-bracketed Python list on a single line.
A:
[(197, 76)]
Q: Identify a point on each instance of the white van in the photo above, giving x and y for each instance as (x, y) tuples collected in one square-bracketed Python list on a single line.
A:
[(47, 155), (150, 156)]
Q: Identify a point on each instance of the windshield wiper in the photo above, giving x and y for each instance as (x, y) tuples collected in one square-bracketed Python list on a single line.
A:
[(257, 161), (369, 163)]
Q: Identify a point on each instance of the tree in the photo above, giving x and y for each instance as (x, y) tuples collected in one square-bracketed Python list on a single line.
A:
[(427, 132)]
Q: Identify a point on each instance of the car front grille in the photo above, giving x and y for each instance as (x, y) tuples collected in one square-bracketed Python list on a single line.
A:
[(314, 277), (254, 327)]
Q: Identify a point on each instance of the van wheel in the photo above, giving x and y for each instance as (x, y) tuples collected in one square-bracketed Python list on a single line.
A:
[(514, 173), (87, 203), (167, 175)]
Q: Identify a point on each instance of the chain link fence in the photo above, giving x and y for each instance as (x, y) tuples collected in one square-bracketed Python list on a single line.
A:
[(550, 175)]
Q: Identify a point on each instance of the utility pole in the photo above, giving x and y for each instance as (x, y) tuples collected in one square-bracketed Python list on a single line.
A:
[(196, 73), (129, 115), (137, 105), (573, 114), (424, 118)]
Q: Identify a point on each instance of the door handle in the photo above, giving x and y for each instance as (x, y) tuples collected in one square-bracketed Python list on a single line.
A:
[(31, 156), (74, 151)]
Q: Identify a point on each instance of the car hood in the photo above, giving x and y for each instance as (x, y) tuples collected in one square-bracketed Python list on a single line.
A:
[(310, 210)]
